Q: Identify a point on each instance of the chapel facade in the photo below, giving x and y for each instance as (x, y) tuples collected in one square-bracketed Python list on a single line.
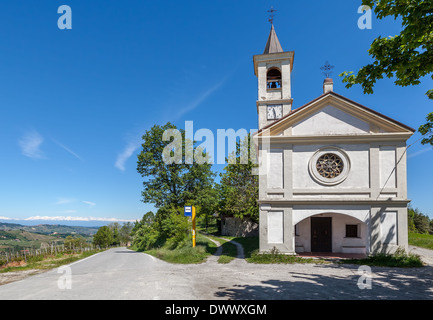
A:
[(332, 172)]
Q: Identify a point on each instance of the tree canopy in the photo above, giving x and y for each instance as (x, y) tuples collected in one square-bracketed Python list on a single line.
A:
[(407, 57), (239, 187), (170, 178)]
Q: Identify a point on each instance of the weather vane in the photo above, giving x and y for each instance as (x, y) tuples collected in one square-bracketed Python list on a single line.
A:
[(271, 15), (327, 69)]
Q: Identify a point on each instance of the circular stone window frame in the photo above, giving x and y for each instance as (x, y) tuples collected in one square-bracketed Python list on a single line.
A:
[(326, 181)]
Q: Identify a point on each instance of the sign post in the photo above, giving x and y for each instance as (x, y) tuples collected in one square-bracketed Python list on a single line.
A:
[(190, 212), (193, 227)]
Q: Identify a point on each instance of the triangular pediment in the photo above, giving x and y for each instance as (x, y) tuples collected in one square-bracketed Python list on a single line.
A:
[(330, 120), (334, 115)]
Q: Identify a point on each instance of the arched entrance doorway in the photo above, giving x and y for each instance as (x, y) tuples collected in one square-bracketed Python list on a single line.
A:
[(331, 232)]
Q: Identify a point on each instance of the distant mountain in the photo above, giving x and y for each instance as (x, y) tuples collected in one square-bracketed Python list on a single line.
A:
[(50, 229)]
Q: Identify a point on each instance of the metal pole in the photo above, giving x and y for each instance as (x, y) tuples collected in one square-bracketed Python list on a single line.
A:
[(193, 227)]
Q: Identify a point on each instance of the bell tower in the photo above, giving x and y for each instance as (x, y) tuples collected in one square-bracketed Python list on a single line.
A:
[(273, 69)]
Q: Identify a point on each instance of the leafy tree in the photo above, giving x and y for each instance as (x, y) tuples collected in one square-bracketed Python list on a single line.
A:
[(206, 204), (176, 173), (418, 222), (103, 237), (114, 228), (72, 242), (125, 233), (171, 178), (239, 187), (407, 56)]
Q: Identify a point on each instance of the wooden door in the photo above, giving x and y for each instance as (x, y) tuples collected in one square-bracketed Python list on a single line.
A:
[(321, 234)]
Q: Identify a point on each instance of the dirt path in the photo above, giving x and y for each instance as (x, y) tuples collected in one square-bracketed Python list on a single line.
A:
[(8, 277)]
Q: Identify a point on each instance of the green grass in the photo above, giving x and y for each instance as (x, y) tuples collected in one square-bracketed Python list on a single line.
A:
[(47, 262), (186, 254), (250, 245), (399, 259), (421, 240), (229, 252), (276, 257)]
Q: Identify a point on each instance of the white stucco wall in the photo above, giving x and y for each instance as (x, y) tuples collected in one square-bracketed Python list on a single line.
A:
[(275, 169), (358, 176), (387, 162), (275, 227), (388, 228), (330, 120)]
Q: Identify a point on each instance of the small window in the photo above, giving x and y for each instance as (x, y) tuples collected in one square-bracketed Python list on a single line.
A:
[(274, 79), (352, 231)]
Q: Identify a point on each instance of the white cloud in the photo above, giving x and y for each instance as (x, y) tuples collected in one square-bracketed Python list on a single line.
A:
[(135, 143), (65, 200), (126, 154), (6, 218), (30, 145), (200, 99), (417, 153), (90, 203), (67, 149)]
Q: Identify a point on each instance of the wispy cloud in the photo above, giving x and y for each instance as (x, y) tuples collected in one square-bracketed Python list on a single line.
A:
[(417, 153), (67, 149), (89, 203), (123, 156), (30, 145), (65, 200), (200, 99), (134, 144)]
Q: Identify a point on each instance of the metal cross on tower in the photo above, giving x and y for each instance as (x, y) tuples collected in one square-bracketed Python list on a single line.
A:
[(271, 15), (327, 69)]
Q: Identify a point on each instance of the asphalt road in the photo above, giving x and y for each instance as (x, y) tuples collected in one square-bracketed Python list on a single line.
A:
[(124, 274)]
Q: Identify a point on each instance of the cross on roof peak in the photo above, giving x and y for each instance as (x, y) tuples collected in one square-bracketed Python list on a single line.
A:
[(271, 15), (327, 69)]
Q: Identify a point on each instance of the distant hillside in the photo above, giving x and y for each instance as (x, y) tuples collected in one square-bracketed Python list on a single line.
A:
[(51, 229), (20, 239), (16, 237)]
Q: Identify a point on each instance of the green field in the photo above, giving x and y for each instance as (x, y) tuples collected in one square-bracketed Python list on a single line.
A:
[(18, 239), (421, 240)]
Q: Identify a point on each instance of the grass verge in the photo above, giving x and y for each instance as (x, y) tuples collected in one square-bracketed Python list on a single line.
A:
[(421, 240), (268, 258), (46, 262), (399, 259), (186, 254)]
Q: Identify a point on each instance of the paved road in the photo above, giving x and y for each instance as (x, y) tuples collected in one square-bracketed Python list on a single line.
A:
[(124, 274)]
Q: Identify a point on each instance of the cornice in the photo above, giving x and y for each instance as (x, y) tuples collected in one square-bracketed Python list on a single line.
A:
[(354, 138)]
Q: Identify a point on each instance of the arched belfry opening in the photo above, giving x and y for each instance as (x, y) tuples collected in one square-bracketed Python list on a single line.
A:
[(274, 78)]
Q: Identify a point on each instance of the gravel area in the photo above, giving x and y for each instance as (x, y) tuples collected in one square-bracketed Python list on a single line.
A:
[(125, 274)]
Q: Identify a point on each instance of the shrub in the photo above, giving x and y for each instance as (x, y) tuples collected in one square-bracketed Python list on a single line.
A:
[(399, 259)]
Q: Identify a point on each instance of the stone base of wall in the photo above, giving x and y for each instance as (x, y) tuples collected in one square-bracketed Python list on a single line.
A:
[(235, 227)]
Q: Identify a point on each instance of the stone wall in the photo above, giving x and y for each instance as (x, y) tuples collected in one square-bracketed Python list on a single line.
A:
[(236, 227)]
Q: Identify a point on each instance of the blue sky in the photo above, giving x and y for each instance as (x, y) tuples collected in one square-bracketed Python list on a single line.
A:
[(74, 103)]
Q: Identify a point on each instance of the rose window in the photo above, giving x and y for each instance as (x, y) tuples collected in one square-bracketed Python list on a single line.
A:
[(329, 165)]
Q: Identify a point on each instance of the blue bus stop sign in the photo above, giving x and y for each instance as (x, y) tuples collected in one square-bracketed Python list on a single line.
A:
[(188, 211)]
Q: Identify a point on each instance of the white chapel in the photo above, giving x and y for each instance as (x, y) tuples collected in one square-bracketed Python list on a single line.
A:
[(332, 172)]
